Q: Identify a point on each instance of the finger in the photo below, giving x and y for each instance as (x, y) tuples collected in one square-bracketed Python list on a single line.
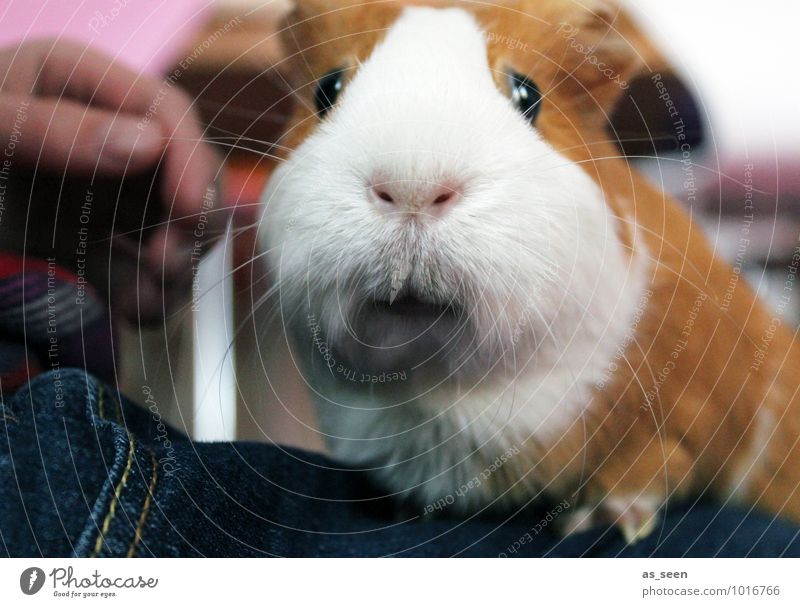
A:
[(63, 134), (190, 165), (192, 179), (169, 255), (144, 295), (193, 188), (140, 300), (20, 66), (63, 68), (70, 69)]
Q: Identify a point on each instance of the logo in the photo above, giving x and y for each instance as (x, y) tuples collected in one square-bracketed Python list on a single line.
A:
[(31, 580)]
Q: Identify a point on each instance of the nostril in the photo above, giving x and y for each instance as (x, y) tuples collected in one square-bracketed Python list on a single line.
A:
[(414, 195), (383, 195), (444, 197)]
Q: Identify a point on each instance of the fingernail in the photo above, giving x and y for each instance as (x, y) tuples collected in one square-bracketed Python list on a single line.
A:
[(126, 139)]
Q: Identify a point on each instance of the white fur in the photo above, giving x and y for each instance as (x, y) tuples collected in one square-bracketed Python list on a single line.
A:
[(530, 250)]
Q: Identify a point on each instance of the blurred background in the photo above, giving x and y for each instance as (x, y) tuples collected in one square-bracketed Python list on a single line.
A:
[(217, 374)]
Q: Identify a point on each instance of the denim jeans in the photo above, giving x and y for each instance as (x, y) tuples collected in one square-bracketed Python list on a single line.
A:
[(84, 472)]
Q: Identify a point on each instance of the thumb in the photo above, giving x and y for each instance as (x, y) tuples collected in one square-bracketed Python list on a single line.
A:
[(62, 134)]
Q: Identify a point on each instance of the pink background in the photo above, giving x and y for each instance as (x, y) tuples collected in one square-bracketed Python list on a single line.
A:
[(148, 35)]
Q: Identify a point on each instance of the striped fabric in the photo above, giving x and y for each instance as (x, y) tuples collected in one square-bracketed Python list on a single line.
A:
[(49, 322)]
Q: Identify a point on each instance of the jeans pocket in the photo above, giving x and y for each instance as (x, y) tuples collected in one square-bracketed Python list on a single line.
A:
[(119, 515)]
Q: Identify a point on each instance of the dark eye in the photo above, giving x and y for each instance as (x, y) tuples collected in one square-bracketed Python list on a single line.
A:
[(525, 95), (328, 89)]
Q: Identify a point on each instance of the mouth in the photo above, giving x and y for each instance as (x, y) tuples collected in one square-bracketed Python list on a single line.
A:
[(402, 334), (407, 321), (413, 309)]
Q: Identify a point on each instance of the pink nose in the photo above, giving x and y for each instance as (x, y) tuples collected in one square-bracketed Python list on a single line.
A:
[(416, 196)]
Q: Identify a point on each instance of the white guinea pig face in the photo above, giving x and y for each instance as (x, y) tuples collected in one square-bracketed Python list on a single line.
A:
[(425, 220)]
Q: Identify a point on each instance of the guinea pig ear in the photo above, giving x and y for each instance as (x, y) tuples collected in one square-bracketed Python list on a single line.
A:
[(302, 29), (308, 9), (625, 72), (597, 52), (642, 119), (310, 22)]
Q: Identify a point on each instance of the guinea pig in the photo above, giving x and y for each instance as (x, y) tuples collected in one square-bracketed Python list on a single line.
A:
[(488, 303)]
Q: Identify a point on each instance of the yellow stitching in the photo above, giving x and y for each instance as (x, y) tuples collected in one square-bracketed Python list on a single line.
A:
[(145, 509), (101, 402), (7, 416), (98, 545)]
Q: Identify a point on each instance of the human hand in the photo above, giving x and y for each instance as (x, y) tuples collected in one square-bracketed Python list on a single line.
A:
[(67, 109)]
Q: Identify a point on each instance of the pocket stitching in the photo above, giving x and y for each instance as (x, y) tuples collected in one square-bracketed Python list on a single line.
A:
[(145, 510), (98, 546)]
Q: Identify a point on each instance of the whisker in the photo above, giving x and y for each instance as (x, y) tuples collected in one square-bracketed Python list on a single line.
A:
[(658, 158)]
